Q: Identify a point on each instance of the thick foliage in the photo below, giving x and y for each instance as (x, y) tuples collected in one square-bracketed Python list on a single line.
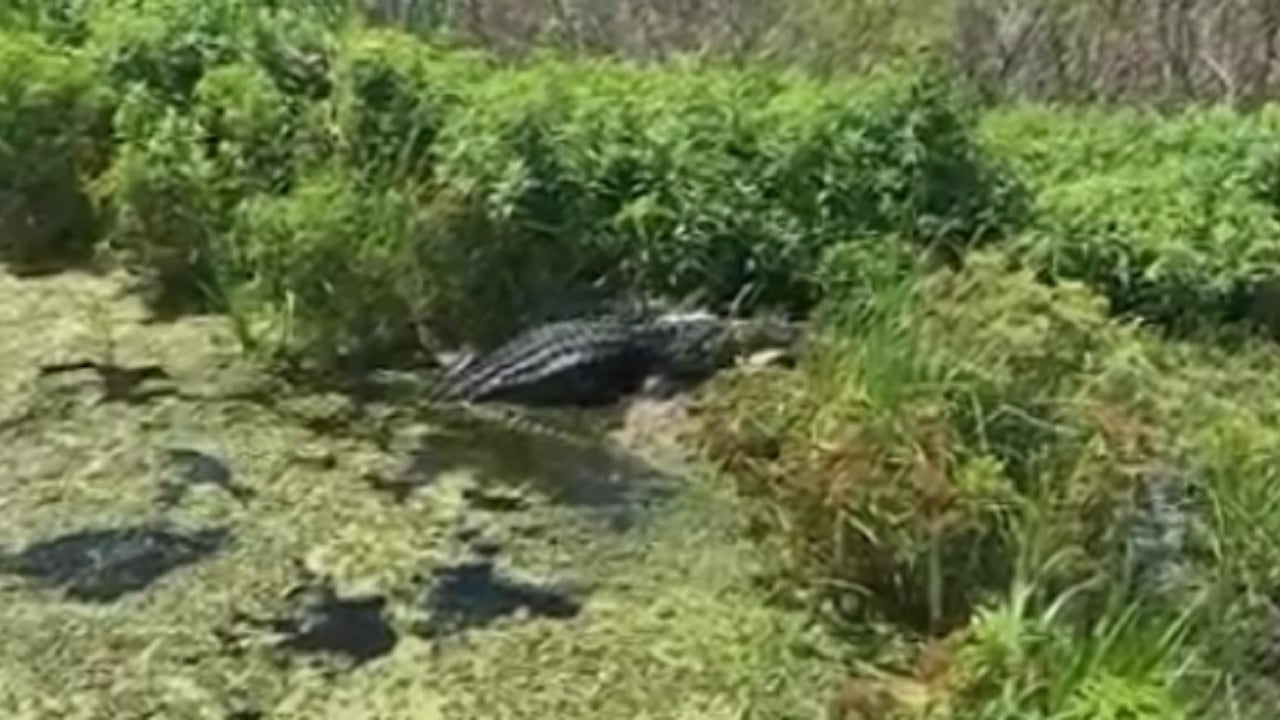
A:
[(166, 45), (166, 214), (1173, 219), (529, 183), (683, 181), (54, 134), (320, 267), (394, 96), (212, 117)]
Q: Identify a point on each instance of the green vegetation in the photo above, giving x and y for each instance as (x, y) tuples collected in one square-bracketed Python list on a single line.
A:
[(981, 457), (54, 130), (1034, 477), (1172, 218), (572, 174)]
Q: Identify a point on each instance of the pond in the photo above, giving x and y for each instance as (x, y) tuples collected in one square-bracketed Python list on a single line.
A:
[(229, 547)]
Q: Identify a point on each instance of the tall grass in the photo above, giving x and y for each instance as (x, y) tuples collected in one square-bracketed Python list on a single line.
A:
[(974, 456)]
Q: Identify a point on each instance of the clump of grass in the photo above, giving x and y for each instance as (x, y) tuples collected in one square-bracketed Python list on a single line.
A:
[(924, 422), (974, 455)]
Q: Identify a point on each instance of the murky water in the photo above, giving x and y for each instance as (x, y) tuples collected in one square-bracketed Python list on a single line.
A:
[(597, 478), (482, 568), (474, 594), (102, 565), (321, 621)]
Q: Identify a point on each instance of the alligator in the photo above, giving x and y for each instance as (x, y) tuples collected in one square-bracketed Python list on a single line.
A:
[(598, 361)]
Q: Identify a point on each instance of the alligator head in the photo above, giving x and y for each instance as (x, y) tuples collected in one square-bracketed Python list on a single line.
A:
[(700, 344)]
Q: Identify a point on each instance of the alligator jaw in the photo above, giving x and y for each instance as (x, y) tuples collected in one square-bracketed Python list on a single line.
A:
[(753, 337)]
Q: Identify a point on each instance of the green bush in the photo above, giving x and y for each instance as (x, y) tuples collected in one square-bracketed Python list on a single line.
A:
[(319, 270), (59, 21), (394, 94), (251, 133), (167, 215), (1169, 217), (297, 46), (335, 272), (532, 183), (167, 45), (684, 181), (54, 138)]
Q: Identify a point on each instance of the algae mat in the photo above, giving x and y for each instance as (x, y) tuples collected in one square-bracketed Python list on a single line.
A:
[(182, 538)]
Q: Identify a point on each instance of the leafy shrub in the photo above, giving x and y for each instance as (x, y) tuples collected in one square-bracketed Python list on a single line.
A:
[(319, 267), (63, 22), (1166, 216), (476, 284), (182, 173), (684, 180), (249, 128), (296, 46), (167, 45), (394, 94), (673, 182), (336, 272), (54, 137), (167, 215)]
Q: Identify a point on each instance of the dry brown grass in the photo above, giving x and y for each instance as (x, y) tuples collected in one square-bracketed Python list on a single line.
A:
[(1148, 50)]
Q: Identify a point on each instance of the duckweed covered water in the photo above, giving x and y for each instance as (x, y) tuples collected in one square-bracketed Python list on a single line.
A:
[(219, 546)]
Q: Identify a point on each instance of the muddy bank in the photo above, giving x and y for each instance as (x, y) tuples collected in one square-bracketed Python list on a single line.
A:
[(185, 538)]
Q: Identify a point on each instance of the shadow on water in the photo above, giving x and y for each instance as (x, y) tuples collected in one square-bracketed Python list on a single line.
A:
[(186, 468), (470, 595), (317, 620), (589, 473), (353, 627), (105, 564)]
